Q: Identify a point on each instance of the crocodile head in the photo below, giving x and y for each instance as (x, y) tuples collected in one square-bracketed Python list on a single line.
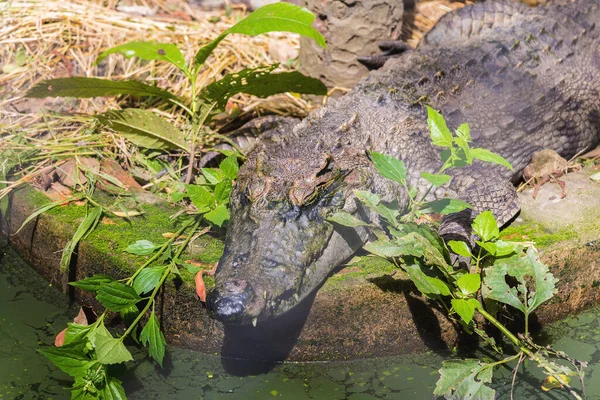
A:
[(279, 246)]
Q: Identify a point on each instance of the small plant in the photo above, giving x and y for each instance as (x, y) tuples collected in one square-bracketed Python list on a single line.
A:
[(417, 250)]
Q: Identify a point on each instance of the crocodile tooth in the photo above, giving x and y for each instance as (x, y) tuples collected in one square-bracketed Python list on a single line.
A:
[(254, 321)]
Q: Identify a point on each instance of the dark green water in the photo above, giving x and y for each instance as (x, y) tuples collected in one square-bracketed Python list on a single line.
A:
[(32, 312)]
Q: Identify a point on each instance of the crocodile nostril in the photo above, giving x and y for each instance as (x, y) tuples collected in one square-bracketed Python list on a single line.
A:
[(235, 286)]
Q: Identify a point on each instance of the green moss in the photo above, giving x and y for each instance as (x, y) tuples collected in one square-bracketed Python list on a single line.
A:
[(537, 233)]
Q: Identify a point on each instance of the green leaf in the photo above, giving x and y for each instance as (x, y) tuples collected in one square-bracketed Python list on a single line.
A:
[(230, 167), (465, 380), (465, 308), (152, 336), (384, 248), (147, 279), (373, 201), (142, 248), (464, 132), (444, 206), (93, 87), (346, 219), (85, 227), (217, 216), (488, 156), (485, 226), (69, 358), (108, 349), (281, 17), (504, 248), (389, 167), (144, 129), (495, 287), (113, 390), (428, 285), (469, 283), (222, 191), (260, 82), (213, 175), (438, 130), (460, 248), (148, 51), (117, 296), (76, 332), (490, 247), (201, 198), (436, 179), (369, 199), (93, 283)]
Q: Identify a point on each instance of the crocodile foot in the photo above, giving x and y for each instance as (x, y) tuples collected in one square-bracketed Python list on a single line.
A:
[(389, 49)]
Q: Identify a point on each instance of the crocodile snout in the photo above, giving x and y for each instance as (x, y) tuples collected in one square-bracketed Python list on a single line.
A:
[(233, 302)]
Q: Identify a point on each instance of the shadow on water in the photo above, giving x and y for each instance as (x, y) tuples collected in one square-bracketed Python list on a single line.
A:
[(249, 350)]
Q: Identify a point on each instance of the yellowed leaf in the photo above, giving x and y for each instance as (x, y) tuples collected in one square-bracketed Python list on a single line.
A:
[(552, 383)]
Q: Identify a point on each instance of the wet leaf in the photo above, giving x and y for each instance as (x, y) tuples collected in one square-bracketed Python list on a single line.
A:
[(444, 206), (142, 248), (117, 296), (438, 130), (436, 179), (488, 156), (108, 349), (389, 167), (485, 226), (93, 283), (469, 283), (346, 219), (152, 337), (147, 279), (144, 128), (93, 87), (148, 51), (218, 215), (465, 380), (465, 308)]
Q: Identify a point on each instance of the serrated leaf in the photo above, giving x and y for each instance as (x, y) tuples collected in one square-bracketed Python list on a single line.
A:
[(490, 247), (260, 82), (368, 198), (152, 337), (93, 283), (460, 248), (438, 130), (488, 156), (428, 285), (201, 198), (504, 248), (93, 87), (436, 179), (485, 226), (465, 308), (282, 17), (108, 349), (384, 248), (76, 332), (469, 283), (218, 215), (465, 380), (389, 167), (213, 175), (147, 279), (346, 219), (148, 51), (69, 358), (113, 390), (444, 206), (230, 167), (495, 287), (142, 248), (464, 132), (117, 296), (222, 191), (144, 128)]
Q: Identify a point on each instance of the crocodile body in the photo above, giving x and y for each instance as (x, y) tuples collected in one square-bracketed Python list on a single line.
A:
[(525, 79)]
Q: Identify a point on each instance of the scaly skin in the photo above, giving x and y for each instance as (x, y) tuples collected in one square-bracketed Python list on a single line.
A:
[(524, 79)]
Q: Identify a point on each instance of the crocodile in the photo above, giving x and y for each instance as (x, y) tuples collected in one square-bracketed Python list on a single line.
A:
[(523, 78)]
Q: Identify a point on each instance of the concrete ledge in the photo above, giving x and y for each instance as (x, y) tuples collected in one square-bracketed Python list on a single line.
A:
[(366, 309)]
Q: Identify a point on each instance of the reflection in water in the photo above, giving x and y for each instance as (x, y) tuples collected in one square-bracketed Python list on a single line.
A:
[(32, 312)]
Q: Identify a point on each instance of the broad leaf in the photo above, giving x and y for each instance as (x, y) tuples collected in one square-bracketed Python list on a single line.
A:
[(495, 287), (108, 349), (485, 226), (213, 175), (465, 308), (113, 390), (147, 279), (488, 156), (389, 167), (142, 248), (438, 130), (93, 283), (152, 337), (222, 191), (144, 128), (445, 206), (69, 358), (469, 283), (464, 132), (201, 198), (460, 248), (148, 51), (465, 380), (93, 87), (428, 285), (76, 332), (436, 179), (346, 219), (384, 248), (217, 216), (369, 199), (117, 296), (230, 167), (260, 82), (281, 17)]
